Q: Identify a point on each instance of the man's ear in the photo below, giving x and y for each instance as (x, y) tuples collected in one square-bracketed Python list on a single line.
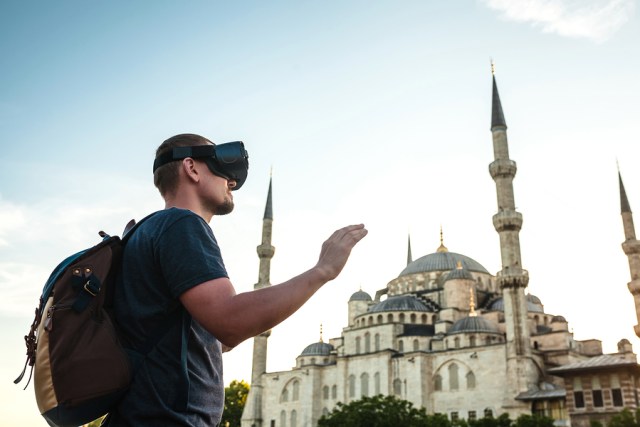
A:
[(191, 169)]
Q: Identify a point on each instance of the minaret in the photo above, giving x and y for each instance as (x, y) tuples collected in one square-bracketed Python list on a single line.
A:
[(512, 279), (631, 247), (409, 257), (252, 414)]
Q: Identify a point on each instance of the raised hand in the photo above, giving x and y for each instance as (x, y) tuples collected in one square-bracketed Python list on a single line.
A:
[(337, 248)]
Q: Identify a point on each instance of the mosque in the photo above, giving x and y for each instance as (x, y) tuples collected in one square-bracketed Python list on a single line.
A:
[(453, 338)]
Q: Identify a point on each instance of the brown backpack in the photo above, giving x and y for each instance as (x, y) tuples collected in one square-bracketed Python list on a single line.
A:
[(80, 368)]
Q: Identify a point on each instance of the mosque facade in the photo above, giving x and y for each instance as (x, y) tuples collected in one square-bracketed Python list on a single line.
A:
[(453, 338)]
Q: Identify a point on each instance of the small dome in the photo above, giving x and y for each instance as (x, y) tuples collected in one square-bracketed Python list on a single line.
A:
[(317, 349), (360, 296), (400, 303), (532, 306), (474, 324), (557, 319), (442, 261)]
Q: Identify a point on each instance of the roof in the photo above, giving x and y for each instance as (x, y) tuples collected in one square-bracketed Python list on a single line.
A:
[(497, 116), (418, 331), (360, 296), (442, 261), (317, 349), (603, 362), (558, 393), (533, 304), (473, 324), (400, 303), (458, 273)]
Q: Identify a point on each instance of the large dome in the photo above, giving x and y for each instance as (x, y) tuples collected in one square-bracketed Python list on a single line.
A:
[(400, 303), (442, 261), (473, 324)]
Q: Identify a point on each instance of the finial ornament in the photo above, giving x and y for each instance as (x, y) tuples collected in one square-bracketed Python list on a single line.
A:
[(459, 265), (472, 303), (493, 67), (321, 332), (442, 247)]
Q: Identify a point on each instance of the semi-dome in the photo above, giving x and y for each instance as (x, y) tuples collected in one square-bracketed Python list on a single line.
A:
[(474, 324), (317, 349), (458, 273), (560, 319), (533, 304), (400, 303), (442, 261), (360, 296)]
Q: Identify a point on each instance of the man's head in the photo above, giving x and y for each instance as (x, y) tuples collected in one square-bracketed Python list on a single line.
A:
[(193, 159), (166, 177)]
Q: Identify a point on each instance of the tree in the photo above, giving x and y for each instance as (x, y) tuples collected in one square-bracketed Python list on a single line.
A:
[(533, 421), (378, 411), (235, 397), (625, 418)]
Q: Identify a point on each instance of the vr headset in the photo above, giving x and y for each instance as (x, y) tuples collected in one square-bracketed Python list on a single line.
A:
[(229, 160)]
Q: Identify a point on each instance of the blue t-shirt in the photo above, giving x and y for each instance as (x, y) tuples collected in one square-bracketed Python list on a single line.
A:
[(169, 253)]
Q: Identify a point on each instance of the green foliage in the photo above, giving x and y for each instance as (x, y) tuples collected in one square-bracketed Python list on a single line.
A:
[(625, 418), (380, 411), (533, 421), (595, 423), (235, 397)]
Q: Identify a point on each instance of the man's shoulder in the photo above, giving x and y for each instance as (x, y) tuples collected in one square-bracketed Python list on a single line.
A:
[(168, 217)]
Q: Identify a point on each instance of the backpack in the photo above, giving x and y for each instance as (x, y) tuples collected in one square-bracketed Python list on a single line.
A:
[(81, 369)]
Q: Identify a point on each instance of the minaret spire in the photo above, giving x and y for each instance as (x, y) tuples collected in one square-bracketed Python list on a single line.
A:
[(631, 247), (497, 115), (252, 414), (409, 257), (512, 279)]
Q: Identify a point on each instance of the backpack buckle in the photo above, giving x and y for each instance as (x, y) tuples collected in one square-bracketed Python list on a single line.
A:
[(91, 288)]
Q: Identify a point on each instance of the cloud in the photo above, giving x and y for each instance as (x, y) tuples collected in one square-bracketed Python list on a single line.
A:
[(596, 20)]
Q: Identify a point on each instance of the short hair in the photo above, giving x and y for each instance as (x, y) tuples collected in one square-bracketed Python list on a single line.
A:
[(165, 178)]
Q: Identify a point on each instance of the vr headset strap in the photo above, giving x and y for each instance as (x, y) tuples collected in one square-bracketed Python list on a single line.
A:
[(179, 153)]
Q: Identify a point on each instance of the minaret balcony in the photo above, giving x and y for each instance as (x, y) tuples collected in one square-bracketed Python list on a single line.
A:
[(502, 168), (511, 277), (265, 251), (507, 221), (631, 247)]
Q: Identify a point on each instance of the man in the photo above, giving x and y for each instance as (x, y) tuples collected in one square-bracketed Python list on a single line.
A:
[(175, 302)]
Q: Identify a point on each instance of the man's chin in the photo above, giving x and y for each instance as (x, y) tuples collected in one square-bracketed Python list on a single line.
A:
[(225, 208)]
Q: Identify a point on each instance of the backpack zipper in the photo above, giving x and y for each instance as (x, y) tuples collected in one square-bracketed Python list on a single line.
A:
[(48, 321)]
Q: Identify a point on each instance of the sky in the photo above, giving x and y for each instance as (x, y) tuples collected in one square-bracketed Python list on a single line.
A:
[(374, 112)]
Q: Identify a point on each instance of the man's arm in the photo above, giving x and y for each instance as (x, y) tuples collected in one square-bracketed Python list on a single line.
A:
[(232, 318)]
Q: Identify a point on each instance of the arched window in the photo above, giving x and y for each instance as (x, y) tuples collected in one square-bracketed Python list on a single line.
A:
[(377, 342), (334, 392), (434, 318), (367, 343), (325, 412), (487, 340), (472, 340), (325, 392), (357, 345), (456, 342), (370, 320), (284, 396), (397, 387), (424, 319), (471, 380), (401, 317), (416, 345), (400, 346), (294, 418), (488, 413), (283, 418), (379, 319), (352, 386), (453, 376), (437, 382), (364, 384), (296, 391), (390, 318), (376, 383), (413, 318)]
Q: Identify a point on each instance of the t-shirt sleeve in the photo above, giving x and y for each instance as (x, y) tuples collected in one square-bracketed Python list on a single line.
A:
[(188, 255)]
